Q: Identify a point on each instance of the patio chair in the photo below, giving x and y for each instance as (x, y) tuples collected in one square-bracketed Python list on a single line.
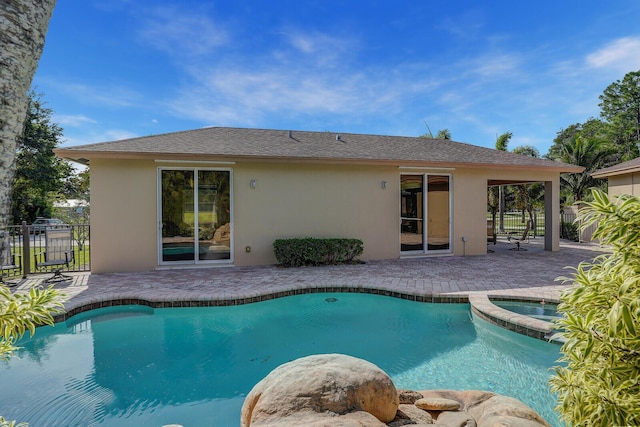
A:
[(523, 238), (58, 253), (8, 260)]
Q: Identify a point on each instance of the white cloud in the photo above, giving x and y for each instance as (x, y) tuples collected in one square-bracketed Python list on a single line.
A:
[(494, 66), (66, 120), (226, 95), (622, 55), (176, 32), (320, 48), (107, 95), (92, 136)]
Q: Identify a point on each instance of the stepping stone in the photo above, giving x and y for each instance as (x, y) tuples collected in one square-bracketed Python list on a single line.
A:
[(437, 404)]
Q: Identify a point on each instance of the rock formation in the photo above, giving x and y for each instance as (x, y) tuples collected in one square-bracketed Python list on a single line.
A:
[(339, 390)]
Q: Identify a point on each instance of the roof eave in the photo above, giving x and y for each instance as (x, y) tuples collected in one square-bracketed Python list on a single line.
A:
[(623, 171), (84, 156)]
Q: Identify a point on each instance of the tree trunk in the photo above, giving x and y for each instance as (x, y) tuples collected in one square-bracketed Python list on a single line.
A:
[(502, 206), (23, 27)]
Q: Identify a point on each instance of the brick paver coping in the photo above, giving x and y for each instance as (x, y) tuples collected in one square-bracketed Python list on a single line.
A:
[(529, 274)]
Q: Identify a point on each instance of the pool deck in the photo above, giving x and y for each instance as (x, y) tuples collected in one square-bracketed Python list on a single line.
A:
[(529, 274)]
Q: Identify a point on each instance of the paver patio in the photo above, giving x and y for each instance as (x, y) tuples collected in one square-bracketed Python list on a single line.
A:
[(530, 274)]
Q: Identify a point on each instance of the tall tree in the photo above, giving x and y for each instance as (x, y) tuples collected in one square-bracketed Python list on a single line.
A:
[(23, 25), (502, 141), (39, 173), (583, 145), (620, 107), (502, 144), (527, 196)]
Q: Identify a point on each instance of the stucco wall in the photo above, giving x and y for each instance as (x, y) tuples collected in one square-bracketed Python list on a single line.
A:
[(290, 200), (123, 216), (314, 201), (625, 184)]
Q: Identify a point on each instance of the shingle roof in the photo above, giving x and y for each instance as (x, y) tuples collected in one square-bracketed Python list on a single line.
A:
[(269, 144), (624, 167)]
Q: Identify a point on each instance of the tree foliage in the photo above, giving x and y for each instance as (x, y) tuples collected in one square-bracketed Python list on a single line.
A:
[(441, 134), (20, 313), (38, 171), (502, 142), (620, 107), (444, 134), (600, 384), (583, 145)]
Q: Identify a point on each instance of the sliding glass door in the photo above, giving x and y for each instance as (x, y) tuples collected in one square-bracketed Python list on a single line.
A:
[(195, 216), (425, 221)]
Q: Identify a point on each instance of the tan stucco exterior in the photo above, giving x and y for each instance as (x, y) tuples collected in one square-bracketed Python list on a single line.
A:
[(625, 184), (290, 200)]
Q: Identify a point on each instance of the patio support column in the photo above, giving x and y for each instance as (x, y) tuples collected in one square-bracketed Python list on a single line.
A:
[(551, 215)]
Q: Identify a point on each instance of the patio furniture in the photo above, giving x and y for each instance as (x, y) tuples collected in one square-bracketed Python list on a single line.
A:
[(58, 253), (8, 260), (525, 237)]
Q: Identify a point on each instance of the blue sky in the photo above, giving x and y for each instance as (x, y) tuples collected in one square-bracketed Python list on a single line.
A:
[(124, 68)]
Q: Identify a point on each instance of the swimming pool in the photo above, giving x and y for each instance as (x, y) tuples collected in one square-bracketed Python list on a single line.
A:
[(134, 365), (538, 310)]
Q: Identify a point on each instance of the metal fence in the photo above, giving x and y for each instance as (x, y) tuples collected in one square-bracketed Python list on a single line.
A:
[(23, 249), (515, 223)]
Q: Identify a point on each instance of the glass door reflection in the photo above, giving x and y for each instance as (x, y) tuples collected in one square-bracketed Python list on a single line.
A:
[(412, 213)]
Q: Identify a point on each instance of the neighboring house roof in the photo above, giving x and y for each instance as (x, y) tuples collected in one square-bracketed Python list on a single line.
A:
[(234, 144), (622, 168)]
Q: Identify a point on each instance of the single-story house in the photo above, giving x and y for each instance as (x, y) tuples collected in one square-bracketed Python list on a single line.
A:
[(221, 196), (623, 178)]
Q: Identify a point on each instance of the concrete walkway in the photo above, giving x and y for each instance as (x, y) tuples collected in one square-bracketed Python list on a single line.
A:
[(531, 274)]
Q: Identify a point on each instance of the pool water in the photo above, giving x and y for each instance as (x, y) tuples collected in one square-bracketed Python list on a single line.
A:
[(546, 311), (138, 366)]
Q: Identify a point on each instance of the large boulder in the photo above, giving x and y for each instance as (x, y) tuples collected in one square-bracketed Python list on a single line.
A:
[(506, 411), (488, 409), (313, 390)]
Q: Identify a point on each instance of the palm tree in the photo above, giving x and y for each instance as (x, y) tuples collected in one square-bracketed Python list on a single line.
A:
[(527, 195), (502, 144), (444, 134), (24, 25), (590, 152)]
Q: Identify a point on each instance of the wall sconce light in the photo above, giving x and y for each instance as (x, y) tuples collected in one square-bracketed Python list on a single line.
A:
[(252, 184), (383, 184)]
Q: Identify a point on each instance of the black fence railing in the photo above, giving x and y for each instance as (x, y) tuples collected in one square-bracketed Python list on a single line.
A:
[(25, 249), (515, 223)]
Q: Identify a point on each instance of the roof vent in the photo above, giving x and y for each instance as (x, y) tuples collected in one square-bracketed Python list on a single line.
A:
[(338, 137), (289, 134)]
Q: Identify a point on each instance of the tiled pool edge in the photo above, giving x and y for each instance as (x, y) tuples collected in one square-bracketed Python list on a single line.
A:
[(189, 301), (481, 305), (483, 308)]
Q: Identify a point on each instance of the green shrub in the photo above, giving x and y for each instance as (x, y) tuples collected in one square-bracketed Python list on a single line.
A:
[(312, 251), (570, 231), (600, 382)]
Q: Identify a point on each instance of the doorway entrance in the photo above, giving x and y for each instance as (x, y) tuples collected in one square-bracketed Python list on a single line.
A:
[(425, 221), (195, 216)]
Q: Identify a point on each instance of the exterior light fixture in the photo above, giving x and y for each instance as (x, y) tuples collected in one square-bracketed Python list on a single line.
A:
[(252, 184), (383, 184)]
